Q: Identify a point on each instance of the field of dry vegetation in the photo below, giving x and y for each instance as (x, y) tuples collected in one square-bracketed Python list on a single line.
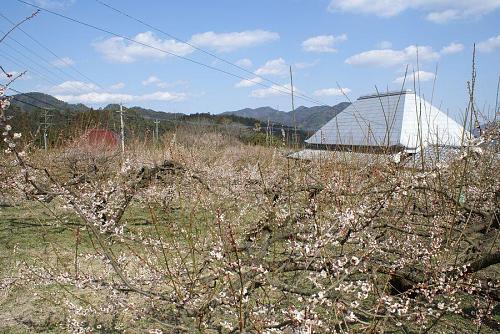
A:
[(203, 234)]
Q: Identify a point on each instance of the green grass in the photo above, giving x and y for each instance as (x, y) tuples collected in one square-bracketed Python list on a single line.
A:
[(38, 233), (26, 233)]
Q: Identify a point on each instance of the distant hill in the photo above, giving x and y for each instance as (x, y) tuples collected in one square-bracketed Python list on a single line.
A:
[(306, 118), (146, 113), (31, 101), (68, 121)]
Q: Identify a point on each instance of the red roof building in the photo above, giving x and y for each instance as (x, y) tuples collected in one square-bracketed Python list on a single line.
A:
[(100, 138)]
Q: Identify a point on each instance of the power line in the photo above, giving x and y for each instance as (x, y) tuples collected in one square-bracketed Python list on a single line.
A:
[(200, 49), (62, 60), (122, 129), (34, 98), (51, 52), (18, 24), (22, 64), (162, 50), (293, 108), (45, 60), (33, 61), (182, 122), (30, 104), (159, 121), (46, 124), (163, 120), (156, 121), (239, 125), (46, 119), (48, 70)]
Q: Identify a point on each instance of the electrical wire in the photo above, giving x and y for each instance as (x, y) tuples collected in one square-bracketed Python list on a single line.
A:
[(30, 104), (32, 61), (184, 122), (45, 60), (199, 49), (34, 98), (52, 52), (22, 64), (74, 85), (162, 50)]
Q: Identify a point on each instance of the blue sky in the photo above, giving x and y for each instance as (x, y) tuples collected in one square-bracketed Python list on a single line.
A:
[(330, 44)]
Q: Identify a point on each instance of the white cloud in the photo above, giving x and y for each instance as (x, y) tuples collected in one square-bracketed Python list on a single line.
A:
[(389, 57), (489, 45), (378, 7), (452, 48), (163, 85), (322, 43), (101, 98), (14, 75), (154, 80), (245, 62), (151, 80), (162, 96), (83, 92), (147, 45), (117, 86), (120, 50), (384, 45), (304, 65), (95, 98), (273, 67), (55, 4), (444, 16), (225, 42), (248, 83), (63, 62), (420, 76), (438, 11), (332, 92), (274, 90), (71, 87)]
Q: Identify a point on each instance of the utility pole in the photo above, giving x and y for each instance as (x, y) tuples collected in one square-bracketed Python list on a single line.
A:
[(272, 126), (46, 124), (122, 127), (293, 107), (156, 129), (272, 134), (267, 132)]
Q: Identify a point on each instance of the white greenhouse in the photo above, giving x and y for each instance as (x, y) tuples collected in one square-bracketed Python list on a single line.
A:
[(395, 120)]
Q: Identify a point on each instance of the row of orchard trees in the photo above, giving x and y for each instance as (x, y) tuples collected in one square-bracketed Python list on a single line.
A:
[(63, 126), (67, 125)]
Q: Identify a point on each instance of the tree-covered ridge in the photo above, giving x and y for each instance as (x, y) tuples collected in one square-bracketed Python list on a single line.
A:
[(306, 118), (68, 122)]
